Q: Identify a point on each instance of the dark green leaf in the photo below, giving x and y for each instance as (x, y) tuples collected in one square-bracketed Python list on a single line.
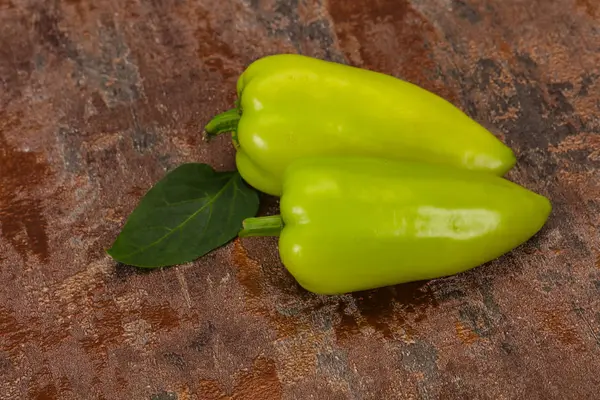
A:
[(190, 212)]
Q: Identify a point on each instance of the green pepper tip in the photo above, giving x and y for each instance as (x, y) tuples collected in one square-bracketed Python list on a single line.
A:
[(262, 226), (222, 123)]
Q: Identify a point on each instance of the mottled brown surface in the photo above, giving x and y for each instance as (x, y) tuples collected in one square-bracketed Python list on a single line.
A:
[(99, 98)]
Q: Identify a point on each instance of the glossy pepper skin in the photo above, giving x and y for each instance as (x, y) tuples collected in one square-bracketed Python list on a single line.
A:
[(351, 224), (292, 106)]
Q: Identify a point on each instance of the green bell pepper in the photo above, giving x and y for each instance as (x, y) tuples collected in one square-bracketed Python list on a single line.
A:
[(292, 106), (355, 223)]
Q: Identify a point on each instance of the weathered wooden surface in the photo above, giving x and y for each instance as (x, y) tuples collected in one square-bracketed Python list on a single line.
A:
[(99, 98)]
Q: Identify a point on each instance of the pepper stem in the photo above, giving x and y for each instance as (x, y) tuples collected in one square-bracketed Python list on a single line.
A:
[(224, 122), (262, 226)]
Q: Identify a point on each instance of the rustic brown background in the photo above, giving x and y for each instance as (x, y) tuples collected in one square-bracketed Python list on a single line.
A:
[(98, 99)]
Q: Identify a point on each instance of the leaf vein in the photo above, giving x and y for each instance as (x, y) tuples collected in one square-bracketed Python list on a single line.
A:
[(207, 204)]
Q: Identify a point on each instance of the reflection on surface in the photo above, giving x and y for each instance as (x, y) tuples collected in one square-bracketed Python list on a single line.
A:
[(460, 224), (259, 142)]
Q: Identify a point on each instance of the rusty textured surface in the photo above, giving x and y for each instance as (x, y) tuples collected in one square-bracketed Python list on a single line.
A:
[(99, 98)]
